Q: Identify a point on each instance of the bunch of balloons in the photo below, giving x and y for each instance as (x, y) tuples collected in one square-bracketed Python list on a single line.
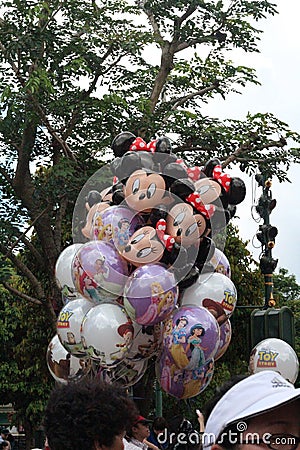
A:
[(144, 279)]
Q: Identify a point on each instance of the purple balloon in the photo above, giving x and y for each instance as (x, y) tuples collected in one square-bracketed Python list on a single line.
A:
[(99, 272), (225, 338), (116, 225), (150, 294), (181, 383), (191, 337)]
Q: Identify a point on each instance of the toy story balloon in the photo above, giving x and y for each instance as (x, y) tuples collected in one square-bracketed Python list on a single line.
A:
[(275, 354), (126, 373), (214, 291), (181, 383), (68, 325), (191, 337), (225, 338), (150, 294), (64, 367), (99, 272), (107, 334)]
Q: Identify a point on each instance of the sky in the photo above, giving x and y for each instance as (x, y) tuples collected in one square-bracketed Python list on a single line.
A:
[(277, 66)]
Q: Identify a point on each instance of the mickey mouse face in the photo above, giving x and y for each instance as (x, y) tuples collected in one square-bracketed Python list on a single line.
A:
[(209, 190), (144, 247), (143, 191), (184, 225)]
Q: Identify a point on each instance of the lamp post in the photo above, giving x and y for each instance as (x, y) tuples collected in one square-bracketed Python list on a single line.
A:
[(266, 235)]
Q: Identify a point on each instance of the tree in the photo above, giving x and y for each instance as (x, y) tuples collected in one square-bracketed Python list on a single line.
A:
[(74, 74)]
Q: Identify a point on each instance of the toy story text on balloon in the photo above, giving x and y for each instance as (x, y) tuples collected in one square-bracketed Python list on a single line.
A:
[(144, 282)]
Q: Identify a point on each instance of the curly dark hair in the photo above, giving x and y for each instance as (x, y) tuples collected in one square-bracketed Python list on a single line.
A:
[(79, 414)]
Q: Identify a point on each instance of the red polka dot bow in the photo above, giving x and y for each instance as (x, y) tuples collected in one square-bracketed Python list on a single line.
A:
[(223, 178), (167, 240), (140, 145), (195, 200)]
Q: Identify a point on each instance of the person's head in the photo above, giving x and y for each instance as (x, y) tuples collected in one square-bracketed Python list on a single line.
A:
[(88, 415), (159, 425), (4, 433), (140, 429), (4, 445), (260, 410)]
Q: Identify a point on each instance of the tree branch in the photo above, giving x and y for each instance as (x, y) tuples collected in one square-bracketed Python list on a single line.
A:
[(180, 101), (6, 176), (21, 294), (26, 272)]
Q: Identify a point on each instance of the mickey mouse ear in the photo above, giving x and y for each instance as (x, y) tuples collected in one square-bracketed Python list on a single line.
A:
[(122, 142), (237, 191), (210, 165), (182, 188)]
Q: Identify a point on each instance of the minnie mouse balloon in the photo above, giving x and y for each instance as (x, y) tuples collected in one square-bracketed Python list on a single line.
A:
[(221, 263), (69, 324), (214, 291), (150, 294), (191, 337), (181, 383), (225, 338), (99, 272), (63, 268), (275, 354), (63, 366), (126, 373), (107, 334)]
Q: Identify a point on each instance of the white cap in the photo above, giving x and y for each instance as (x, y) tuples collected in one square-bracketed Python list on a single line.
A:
[(250, 397)]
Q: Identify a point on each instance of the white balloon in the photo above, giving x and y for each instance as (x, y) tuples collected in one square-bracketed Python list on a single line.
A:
[(275, 354), (63, 267), (69, 325), (63, 366), (107, 333), (214, 291)]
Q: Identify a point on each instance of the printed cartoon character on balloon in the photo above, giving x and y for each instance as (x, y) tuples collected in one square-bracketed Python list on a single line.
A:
[(125, 330), (185, 227), (174, 231), (142, 185), (96, 202), (220, 190)]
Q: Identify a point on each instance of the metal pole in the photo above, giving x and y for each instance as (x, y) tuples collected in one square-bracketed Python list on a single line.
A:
[(267, 238), (158, 400)]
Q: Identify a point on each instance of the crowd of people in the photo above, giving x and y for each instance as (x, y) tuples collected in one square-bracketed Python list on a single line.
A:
[(248, 411), (259, 410)]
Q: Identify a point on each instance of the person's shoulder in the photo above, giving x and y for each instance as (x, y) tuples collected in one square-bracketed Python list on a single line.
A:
[(128, 445)]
